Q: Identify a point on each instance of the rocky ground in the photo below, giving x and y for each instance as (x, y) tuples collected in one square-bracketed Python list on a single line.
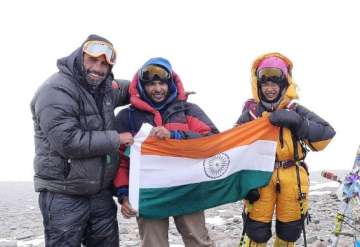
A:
[(21, 222)]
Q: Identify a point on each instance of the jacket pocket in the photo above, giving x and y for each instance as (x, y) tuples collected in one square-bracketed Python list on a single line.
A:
[(49, 167), (84, 169)]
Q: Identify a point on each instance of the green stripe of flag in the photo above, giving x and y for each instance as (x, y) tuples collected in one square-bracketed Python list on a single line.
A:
[(171, 201)]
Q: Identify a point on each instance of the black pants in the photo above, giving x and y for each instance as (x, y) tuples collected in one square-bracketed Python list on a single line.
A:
[(72, 220)]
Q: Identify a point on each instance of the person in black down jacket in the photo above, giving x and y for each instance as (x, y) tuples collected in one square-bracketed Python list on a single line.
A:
[(76, 147)]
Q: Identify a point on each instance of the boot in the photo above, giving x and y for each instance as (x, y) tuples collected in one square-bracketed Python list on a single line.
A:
[(251, 243), (282, 243)]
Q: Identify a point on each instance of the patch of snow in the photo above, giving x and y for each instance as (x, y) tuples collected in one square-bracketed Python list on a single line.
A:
[(319, 193), (33, 242), (217, 220), (331, 184)]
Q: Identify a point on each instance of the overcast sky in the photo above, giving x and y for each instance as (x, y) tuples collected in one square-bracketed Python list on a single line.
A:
[(211, 45)]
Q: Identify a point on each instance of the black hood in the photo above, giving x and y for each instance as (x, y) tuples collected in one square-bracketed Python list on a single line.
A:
[(72, 65)]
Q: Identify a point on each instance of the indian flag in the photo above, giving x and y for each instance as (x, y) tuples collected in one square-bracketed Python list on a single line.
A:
[(175, 177)]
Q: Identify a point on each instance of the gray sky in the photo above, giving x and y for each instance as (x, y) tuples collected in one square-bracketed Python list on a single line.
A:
[(211, 45)]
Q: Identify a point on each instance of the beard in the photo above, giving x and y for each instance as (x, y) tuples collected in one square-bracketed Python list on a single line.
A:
[(94, 82)]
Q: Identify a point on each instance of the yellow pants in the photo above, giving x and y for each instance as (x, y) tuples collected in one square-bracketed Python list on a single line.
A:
[(286, 204)]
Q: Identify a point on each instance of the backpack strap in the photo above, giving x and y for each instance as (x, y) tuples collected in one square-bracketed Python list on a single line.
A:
[(131, 120), (250, 106), (292, 105)]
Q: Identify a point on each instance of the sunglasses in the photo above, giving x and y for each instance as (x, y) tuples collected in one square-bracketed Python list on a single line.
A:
[(154, 72), (270, 74), (96, 48)]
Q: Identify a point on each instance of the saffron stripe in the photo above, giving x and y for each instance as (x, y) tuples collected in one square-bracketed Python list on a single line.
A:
[(211, 145)]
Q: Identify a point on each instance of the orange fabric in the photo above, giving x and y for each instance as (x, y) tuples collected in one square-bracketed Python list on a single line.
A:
[(259, 129), (318, 146)]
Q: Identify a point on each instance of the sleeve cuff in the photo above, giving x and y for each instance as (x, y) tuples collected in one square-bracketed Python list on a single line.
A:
[(121, 193), (175, 134)]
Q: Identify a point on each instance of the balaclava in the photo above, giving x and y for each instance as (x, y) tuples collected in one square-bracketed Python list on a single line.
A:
[(172, 93), (273, 62)]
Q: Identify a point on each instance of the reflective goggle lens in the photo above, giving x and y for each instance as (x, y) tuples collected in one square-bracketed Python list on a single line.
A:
[(98, 48), (153, 72), (270, 74)]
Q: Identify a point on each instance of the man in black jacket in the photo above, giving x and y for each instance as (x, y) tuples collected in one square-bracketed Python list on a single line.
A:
[(76, 147)]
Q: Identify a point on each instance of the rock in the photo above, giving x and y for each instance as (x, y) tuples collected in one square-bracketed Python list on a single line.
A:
[(311, 239), (131, 243), (9, 243), (226, 215), (123, 230), (24, 235), (316, 221), (227, 243), (319, 243), (237, 220)]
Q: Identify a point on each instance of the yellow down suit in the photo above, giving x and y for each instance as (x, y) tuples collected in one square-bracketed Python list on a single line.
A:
[(282, 193)]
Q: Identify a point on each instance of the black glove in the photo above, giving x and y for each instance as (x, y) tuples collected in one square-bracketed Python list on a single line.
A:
[(286, 118), (253, 195)]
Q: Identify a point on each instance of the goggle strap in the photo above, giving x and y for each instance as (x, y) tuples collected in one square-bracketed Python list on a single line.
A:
[(101, 48), (151, 72)]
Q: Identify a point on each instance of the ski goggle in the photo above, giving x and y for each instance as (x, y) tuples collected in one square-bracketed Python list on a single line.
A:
[(270, 74), (97, 48), (154, 72)]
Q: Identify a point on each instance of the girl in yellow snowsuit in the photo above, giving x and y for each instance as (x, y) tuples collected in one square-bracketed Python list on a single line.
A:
[(274, 92)]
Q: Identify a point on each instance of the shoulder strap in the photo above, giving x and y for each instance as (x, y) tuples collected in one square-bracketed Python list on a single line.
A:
[(296, 141), (131, 120), (292, 105), (250, 106)]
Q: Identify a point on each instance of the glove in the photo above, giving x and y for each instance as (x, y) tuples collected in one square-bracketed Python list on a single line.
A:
[(253, 195), (286, 118)]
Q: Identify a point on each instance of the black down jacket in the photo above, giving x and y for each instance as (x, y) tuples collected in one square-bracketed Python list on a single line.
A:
[(76, 146)]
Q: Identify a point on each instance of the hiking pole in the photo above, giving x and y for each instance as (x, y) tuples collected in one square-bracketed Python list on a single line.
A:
[(301, 199), (252, 196), (350, 179), (247, 212), (339, 215), (339, 222)]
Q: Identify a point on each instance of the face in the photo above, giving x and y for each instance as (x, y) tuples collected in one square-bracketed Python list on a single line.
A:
[(96, 69), (270, 90), (157, 91)]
